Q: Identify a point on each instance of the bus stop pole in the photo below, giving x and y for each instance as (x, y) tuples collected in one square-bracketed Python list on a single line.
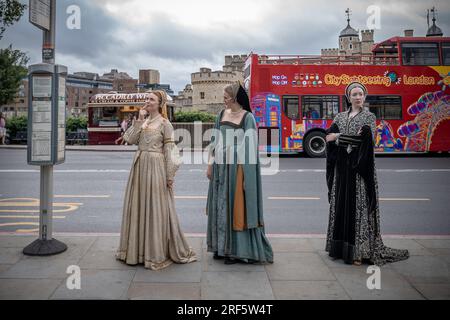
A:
[(46, 245), (46, 185)]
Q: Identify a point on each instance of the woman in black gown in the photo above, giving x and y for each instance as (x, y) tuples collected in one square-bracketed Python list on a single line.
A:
[(354, 223)]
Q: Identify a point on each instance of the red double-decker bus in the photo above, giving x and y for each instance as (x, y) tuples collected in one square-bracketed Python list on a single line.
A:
[(295, 98)]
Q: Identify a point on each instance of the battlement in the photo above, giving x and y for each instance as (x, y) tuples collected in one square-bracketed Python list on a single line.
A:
[(367, 35), (330, 52), (233, 59), (209, 75)]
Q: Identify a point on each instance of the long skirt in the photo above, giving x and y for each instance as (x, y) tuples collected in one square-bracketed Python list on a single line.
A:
[(150, 232)]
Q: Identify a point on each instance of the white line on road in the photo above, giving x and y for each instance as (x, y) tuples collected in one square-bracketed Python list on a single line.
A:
[(202, 170), (203, 235), (191, 197), (185, 197), (293, 198), (405, 199), (281, 198), (82, 196)]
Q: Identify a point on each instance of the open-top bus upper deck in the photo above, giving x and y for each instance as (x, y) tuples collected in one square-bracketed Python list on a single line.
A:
[(295, 97)]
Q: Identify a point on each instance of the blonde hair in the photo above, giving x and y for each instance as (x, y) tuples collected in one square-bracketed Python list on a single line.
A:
[(232, 89), (162, 96)]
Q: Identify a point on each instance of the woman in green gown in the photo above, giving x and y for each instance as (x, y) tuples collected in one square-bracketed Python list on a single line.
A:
[(235, 203)]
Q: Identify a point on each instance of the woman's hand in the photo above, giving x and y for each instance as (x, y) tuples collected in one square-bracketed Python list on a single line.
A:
[(331, 137), (170, 184), (142, 114), (209, 172)]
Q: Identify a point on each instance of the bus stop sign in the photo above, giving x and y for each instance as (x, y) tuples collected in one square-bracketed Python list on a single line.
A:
[(47, 114)]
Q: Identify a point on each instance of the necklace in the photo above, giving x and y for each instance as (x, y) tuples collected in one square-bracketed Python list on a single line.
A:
[(234, 113)]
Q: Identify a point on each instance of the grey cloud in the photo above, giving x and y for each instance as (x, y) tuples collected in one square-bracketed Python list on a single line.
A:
[(289, 27)]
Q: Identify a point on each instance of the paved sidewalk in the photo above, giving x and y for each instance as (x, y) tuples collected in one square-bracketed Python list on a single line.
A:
[(302, 270)]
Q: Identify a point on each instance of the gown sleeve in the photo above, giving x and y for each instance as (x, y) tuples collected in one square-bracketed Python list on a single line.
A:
[(132, 134), (371, 122), (171, 152), (332, 154)]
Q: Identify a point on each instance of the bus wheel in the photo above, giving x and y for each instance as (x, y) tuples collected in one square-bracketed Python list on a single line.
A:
[(315, 144)]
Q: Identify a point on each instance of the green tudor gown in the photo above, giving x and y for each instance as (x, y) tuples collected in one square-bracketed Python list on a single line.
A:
[(250, 244)]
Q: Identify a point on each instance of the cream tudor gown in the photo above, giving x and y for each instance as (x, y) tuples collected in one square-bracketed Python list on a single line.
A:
[(150, 232)]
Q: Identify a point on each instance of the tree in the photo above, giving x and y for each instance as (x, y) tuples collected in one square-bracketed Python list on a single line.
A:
[(16, 124), (12, 71), (75, 123), (12, 62), (10, 12)]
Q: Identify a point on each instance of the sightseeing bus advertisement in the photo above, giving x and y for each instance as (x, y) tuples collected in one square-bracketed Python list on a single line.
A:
[(420, 123)]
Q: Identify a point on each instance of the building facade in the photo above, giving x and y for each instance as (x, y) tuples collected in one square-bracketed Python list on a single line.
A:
[(80, 87), (205, 92), (207, 88), (183, 101), (149, 76)]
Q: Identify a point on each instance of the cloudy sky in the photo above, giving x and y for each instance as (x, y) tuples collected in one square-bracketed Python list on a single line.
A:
[(178, 37)]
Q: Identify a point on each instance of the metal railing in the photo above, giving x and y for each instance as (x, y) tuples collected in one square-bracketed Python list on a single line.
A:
[(328, 60)]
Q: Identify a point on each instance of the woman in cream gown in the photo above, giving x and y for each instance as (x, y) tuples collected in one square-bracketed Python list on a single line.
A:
[(150, 232)]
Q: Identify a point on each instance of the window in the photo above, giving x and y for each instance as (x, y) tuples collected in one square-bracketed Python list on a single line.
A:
[(420, 54), (291, 107), (106, 116), (446, 54), (320, 107), (202, 95), (351, 47), (385, 107)]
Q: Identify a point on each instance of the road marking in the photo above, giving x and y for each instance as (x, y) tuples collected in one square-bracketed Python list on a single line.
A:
[(405, 199), (31, 202), (191, 197), (28, 217), (21, 224), (82, 196), (293, 198), (202, 170), (69, 207), (281, 198), (34, 204), (321, 236)]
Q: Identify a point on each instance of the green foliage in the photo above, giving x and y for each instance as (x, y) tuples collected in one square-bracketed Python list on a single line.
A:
[(74, 123), (12, 71), (16, 124), (10, 11), (192, 116)]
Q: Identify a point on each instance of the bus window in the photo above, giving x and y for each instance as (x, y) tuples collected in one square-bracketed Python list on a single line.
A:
[(291, 107), (385, 107), (420, 54), (446, 53), (320, 107)]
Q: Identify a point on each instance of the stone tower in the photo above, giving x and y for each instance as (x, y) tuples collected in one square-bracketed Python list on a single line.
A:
[(348, 39), (434, 30)]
